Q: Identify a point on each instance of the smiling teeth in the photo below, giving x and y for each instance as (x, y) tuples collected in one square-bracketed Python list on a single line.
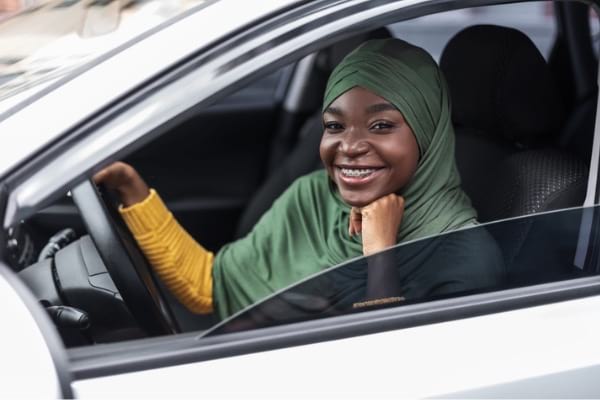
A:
[(360, 173)]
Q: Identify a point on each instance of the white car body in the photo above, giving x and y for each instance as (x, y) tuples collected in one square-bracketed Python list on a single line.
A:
[(547, 349)]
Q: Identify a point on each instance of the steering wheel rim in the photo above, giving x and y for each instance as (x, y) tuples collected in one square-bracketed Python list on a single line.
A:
[(124, 261)]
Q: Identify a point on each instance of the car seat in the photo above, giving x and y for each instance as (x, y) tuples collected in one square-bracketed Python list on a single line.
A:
[(507, 112)]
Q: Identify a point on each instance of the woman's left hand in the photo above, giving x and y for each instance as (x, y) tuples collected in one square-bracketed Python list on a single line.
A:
[(378, 222)]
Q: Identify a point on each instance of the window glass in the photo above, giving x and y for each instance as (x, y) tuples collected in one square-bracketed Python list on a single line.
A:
[(536, 19), (524, 251)]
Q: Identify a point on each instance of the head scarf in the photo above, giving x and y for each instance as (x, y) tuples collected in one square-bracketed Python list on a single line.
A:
[(306, 229), (408, 78)]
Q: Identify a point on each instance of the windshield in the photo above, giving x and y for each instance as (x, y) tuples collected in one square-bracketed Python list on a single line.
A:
[(43, 40), (479, 259)]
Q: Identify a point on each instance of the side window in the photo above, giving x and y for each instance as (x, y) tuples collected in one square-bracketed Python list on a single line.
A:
[(510, 168), (514, 171), (476, 260), (210, 190)]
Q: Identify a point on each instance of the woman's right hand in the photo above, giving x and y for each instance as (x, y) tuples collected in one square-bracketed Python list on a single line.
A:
[(378, 222), (125, 180)]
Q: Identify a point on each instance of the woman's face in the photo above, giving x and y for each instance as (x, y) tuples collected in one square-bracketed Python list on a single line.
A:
[(367, 147)]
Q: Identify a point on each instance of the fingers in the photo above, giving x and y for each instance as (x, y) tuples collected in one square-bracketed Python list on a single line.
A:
[(355, 221), (389, 204), (115, 175), (380, 222), (390, 201), (99, 177)]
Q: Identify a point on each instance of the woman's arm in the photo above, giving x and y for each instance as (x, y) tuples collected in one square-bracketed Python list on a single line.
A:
[(180, 262)]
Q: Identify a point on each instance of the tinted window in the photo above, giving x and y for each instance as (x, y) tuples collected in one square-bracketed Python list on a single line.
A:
[(512, 253)]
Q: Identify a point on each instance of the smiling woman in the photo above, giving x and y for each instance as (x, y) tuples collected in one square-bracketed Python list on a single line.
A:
[(368, 148), (391, 177)]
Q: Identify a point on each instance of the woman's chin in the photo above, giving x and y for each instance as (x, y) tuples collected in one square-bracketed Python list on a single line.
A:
[(357, 201)]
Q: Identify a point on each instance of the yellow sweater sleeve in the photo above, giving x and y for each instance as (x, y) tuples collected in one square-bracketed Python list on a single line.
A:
[(181, 263)]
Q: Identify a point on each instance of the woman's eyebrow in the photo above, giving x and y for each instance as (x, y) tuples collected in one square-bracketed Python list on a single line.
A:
[(379, 107), (333, 110)]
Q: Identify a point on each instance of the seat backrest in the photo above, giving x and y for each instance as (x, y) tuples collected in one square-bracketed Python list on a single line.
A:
[(302, 160), (507, 113)]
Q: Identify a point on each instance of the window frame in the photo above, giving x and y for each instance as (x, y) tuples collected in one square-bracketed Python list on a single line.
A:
[(143, 354)]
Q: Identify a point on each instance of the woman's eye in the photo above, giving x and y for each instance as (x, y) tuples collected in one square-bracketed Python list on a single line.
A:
[(381, 125), (333, 127)]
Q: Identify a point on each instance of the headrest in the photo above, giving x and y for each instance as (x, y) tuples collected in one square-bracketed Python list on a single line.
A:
[(501, 85)]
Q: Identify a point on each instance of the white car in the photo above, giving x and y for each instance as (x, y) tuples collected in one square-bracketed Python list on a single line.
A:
[(217, 103)]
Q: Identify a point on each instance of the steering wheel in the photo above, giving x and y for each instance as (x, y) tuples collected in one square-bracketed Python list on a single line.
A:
[(123, 259)]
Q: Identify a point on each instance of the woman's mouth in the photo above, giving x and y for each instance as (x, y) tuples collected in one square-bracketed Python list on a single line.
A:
[(357, 175)]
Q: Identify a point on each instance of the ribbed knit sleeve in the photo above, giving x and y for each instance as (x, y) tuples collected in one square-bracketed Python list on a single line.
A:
[(181, 263)]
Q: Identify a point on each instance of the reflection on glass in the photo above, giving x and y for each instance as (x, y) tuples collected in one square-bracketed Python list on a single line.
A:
[(49, 39), (510, 253)]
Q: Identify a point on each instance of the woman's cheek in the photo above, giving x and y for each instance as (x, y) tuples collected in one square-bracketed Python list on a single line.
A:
[(327, 151)]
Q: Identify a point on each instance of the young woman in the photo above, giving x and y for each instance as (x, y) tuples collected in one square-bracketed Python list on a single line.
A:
[(390, 177)]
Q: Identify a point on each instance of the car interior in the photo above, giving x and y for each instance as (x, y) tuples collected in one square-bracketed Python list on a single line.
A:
[(524, 125)]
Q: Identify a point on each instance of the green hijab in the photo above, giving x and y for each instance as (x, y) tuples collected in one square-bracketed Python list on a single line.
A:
[(407, 77), (306, 229)]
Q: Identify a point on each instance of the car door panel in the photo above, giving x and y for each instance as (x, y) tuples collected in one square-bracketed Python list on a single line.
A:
[(496, 355)]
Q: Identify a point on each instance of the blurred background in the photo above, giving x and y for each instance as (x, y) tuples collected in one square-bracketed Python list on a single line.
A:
[(42, 40)]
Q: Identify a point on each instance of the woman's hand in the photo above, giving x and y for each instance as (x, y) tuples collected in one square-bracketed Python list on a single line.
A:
[(125, 180), (378, 222)]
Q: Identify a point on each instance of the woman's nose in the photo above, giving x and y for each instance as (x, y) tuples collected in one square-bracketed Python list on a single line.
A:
[(354, 144)]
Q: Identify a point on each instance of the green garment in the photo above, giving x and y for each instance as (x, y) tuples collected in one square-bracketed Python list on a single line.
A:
[(460, 262), (306, 229), (409, 78)]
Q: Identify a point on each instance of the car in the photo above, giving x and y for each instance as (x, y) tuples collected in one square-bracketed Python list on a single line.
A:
[(217, 104)]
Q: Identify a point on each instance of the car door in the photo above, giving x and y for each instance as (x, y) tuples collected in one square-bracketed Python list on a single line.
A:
[(476, 344), (486, 344), (31, 349)]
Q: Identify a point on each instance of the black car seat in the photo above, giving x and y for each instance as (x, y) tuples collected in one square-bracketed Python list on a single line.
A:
[(506, 112), (304, 158)]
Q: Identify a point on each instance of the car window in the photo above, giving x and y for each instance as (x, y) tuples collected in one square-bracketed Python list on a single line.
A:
[(507, 254)]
